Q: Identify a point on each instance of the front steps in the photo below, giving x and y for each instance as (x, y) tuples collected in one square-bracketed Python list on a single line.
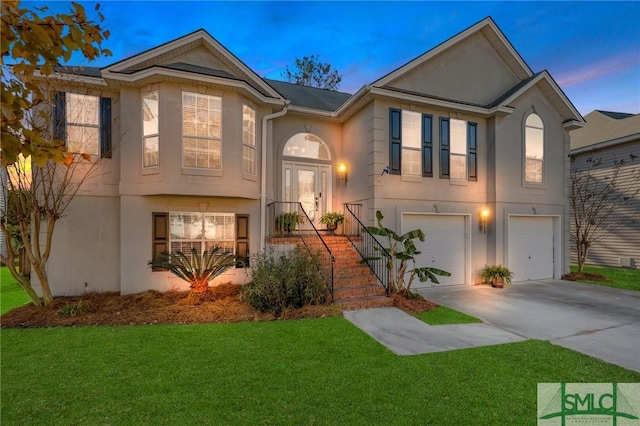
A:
[(354, 285)]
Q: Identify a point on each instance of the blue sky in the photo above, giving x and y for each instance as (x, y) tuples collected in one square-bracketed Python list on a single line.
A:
[(592, 49)]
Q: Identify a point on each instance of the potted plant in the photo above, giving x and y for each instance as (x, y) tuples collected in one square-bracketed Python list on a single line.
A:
[(287, 221), (332, 220), (496, 275)]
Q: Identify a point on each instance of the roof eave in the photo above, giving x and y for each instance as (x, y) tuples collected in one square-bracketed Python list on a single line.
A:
[(166, 72), (605, 144), (75, 78), (500, 110)]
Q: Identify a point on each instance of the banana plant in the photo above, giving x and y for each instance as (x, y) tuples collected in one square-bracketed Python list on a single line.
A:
[(403, 249)]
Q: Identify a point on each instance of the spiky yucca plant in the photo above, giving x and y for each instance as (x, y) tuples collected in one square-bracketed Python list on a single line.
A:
[(196, 269)]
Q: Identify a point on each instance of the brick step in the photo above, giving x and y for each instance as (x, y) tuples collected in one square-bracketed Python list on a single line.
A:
[(341, 282), (351, 271), (367, 302), (358, 291)]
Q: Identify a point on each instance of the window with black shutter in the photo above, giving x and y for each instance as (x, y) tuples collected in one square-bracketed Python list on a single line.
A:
[(160, 236), (242, 240), (427, 145), (444, 147)]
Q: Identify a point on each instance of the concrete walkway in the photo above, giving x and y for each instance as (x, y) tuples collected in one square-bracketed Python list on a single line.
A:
[(598, 321), (406, 335)]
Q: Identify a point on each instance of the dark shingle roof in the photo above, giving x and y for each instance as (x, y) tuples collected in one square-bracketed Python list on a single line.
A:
[(78, 70), (615, 115), (513, 90), (309, 97)]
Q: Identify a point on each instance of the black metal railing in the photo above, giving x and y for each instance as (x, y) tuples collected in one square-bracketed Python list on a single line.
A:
[(368, 247), (288, 219)]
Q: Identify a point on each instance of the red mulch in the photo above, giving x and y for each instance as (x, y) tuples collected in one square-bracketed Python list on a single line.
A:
[(414, 303), (221, 304), (582, 276)]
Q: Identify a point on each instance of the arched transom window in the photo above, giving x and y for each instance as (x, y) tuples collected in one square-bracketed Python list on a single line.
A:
[(534, 149), (306, 145)]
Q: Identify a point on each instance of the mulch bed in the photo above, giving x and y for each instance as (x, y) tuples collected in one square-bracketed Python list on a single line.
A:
[(221, 304), (582, 276)]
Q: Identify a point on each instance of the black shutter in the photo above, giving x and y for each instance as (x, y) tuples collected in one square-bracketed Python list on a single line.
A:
[(395, 140), (105, 127), (59, 113), (160, 236), (242, 240), (444, 148), (472, 143), (427, 145)]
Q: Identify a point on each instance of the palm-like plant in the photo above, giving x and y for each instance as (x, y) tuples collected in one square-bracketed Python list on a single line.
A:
[(196, 269)]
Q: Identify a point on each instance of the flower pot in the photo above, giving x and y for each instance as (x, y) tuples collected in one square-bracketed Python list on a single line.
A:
[(497, 283), (331, 227)]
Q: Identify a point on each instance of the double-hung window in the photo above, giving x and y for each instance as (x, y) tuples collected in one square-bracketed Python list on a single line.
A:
[(201, 131), (150, 129), (182, 231), (83, 122), (534, 149), (248, 140), (202, 231), (458, 149), (410, 149)]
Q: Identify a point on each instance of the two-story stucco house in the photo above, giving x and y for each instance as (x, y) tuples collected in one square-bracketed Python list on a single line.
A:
[(203, 145)]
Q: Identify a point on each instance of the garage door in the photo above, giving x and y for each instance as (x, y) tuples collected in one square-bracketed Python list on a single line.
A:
[(530, 251), (444, 245)]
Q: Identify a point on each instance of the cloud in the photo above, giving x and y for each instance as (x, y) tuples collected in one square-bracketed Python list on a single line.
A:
[(602, 68)]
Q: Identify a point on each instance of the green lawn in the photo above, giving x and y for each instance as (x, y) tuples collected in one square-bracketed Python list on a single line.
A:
[(11, 294), (443, 315), (628, 279), (318, 371)]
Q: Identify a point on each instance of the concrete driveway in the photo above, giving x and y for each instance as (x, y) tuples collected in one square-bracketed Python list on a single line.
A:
[(599, 321)]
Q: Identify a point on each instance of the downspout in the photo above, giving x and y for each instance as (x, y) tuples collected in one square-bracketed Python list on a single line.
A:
[(263, 174)]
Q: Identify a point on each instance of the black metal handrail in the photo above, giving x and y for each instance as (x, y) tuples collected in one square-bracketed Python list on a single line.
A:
[(303, 229), (373, 254)]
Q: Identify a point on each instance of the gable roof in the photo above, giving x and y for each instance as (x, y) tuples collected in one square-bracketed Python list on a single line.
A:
[(605, 128), (156, 56), (489, 28)]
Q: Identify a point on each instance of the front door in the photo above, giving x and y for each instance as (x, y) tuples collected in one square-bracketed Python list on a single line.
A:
[(308, 184)]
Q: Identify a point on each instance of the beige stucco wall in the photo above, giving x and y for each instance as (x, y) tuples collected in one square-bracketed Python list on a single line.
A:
[(470, 71), (85, 253), (136, 236), (291, 124), (170, 177)]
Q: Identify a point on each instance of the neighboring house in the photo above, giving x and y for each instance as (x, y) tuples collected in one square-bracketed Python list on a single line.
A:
[(204, 144), (608, 137)]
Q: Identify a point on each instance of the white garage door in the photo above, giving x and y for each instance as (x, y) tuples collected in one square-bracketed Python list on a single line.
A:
[(530, 247), (443, 248)]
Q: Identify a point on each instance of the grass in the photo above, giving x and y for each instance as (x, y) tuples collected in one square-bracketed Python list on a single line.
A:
[(443, 315), (319, 371), (628, 279), (11, 294)]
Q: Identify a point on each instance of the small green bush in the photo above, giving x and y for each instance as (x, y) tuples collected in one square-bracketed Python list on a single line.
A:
[(72, 309), (291, 280)]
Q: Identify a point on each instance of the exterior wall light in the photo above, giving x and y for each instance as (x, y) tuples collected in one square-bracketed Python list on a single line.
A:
[(484, 216), (342, 173)]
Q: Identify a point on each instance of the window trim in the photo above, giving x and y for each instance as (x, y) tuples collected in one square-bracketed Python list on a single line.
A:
[(251, 145), (425, 145), (157, 134), (104, 121), (471, 151), (526, 182), (194, 169)]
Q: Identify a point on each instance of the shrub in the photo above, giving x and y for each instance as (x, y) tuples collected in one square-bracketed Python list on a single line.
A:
[(290, 280)]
